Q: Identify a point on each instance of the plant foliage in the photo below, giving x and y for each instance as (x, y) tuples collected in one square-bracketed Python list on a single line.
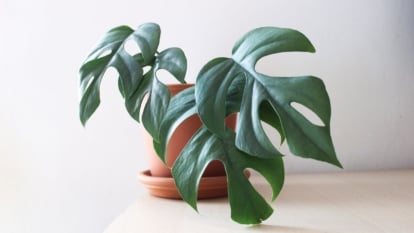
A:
[(134, 84), (223, 87), (247, 205), (278, 93)]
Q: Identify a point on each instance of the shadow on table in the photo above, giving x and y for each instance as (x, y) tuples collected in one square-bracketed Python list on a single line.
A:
[(281, 229)]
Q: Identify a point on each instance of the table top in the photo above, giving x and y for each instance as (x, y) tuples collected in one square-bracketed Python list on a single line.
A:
[(377, 201)]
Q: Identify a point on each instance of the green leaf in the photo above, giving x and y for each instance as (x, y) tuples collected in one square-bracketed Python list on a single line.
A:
[(110, 42), (89, 86), (214, 104), (110, 52), (155, 108), (264, 41), (268, 115), (133, 84), (130, 72), (181, 107), (172, 60), (147, 37), (304, 138), (133, 103), (265, 96), (247, 205)]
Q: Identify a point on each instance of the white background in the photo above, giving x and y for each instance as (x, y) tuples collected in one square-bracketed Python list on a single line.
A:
[(56, 176)]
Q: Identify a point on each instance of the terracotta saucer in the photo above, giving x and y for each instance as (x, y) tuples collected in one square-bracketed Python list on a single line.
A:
[(210, 187)]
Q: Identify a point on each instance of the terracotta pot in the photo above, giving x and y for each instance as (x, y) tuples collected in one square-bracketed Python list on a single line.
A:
[(178, 140), (158, 179)]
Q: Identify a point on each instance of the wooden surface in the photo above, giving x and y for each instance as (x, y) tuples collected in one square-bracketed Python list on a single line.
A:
[(363, 202)]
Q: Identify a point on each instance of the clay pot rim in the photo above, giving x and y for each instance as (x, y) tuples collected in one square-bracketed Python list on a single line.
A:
[(176, 87), (209, 187)]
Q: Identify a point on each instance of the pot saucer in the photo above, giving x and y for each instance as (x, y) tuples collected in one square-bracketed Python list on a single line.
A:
[(210, 187)]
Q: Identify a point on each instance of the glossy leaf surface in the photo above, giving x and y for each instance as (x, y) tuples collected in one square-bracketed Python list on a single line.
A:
[(110, 52), (159, 95), (247, 205), (224, 86), (272, 93), (133, 83)]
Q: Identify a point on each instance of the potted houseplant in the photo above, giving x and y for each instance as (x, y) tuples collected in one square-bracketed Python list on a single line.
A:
[(224, 86)]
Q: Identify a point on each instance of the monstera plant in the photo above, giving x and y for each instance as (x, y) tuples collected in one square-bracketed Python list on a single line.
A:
[(224, 86)]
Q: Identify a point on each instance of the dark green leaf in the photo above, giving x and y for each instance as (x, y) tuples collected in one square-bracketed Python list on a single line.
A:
[(89, 86), (110, 42), (268, 115), (304, 138), (147, 36), (264, 41), (133, 103), (247, 205), (181, 107), (110, 52), (265, 96), (130, 72), (133, 84), (155, 108), (172, 60), (213, 104)]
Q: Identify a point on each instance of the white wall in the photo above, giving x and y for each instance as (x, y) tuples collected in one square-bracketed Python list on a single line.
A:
[(56, 176)]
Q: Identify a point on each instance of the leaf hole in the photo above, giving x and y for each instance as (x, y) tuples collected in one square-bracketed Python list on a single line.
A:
[(131, 47), (145, 69), (308, 114), (165, 77), (215, 168), (272, 133), (270, 123), (231, 121), (285, 64), (260, 184)]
